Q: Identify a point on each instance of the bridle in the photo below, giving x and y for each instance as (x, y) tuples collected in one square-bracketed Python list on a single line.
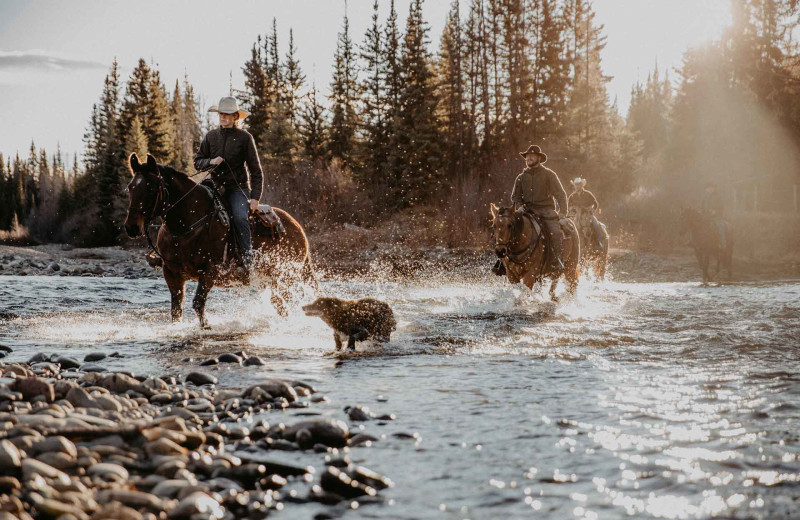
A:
[(527, 250)]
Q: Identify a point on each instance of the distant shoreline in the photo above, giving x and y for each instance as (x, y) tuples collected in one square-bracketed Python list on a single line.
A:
[(381, 261)]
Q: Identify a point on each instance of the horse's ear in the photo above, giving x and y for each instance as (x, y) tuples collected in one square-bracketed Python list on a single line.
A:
[(493, 210), (151, 163), (134, 162)]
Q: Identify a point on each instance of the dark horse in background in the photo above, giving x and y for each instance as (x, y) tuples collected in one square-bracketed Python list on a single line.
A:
[(707, 242), (193, 241), (519, 243)]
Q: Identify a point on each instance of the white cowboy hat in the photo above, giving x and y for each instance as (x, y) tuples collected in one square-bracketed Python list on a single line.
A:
[(228, 105), (577, 181)]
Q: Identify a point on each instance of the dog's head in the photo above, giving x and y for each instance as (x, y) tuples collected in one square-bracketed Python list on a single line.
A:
[(322, 307)]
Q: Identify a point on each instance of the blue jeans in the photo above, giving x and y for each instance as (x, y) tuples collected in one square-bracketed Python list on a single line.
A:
[(240, 210)]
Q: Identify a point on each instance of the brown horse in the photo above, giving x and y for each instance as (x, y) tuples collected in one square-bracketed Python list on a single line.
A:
[(707, 242), (193, 239), (594, 252), (519, 243)]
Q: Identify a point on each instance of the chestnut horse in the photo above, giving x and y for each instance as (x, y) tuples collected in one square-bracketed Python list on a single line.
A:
[(520, 245), (193, 241), (707, 242), (594, 253)]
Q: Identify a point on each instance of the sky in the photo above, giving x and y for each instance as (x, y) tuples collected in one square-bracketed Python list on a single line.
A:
[(55, 54)]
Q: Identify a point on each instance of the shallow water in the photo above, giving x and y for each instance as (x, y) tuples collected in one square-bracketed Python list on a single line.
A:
[(629, 400)]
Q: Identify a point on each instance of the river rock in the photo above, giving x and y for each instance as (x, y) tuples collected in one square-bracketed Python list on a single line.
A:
[(116, 511), (5, 348), (119, 383), (58, 460), (94, 356), (358, 413), (108, 403), (91, 367), (199, 504), (31, 468), (338, 482), (201, 378), (9, 484), (164, 447), (274, 388), (31, 387), (10, 459), (38, 358), (169, 488), (229, 358), (57, 444), (323, 431), (67, 362), (134, 499), (209, 362), (81, 399), (108, 471), (55, 509), (254, 361)]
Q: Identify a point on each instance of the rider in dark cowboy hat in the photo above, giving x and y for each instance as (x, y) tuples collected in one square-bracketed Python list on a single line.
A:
[(537, 190), (231, 154)]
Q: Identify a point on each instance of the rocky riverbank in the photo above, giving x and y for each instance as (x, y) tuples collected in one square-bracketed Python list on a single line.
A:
[(383, 260), (78, 442)]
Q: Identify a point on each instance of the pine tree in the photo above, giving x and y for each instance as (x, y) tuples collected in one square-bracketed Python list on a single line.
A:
[(458, 142), (551, 73), (259, 95), (344, 94), (103, 189), (312, 126), (294, 80), (146, 98), (375, 105), (415, 148)]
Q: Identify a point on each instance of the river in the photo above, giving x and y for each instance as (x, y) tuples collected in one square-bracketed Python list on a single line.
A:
[(629, 400)]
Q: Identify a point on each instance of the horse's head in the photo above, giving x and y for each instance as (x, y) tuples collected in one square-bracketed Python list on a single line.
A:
[(503, 223), (145, 194)]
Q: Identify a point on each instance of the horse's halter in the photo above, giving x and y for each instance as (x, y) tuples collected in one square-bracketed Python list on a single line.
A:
[(512, 255), (162, 198)]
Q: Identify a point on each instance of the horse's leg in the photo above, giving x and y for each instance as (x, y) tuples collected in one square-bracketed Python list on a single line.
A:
[(204, 284), (553, 287), (177, 289)]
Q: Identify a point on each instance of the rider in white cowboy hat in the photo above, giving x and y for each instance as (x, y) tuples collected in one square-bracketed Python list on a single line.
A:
[(583, 198), (230, 153)]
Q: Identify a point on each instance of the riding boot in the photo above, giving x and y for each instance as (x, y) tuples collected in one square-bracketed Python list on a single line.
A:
[(499, 269), (555, 243)]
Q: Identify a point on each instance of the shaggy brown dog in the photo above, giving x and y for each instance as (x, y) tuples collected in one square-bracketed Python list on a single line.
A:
[(355, 320)]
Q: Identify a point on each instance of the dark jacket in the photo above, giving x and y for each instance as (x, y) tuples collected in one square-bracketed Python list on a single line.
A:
[(238, 149), (583, 199), (538, 189)]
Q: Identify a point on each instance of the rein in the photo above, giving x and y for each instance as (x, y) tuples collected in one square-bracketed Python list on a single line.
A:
[(164, 199)]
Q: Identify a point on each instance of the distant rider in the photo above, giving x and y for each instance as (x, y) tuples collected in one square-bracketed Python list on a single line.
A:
[(711, 206), (231, 154), (585, 199)]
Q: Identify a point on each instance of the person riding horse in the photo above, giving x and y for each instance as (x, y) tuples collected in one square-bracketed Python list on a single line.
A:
[(230, 153), (537, 190), (711, 206), (585, 199)]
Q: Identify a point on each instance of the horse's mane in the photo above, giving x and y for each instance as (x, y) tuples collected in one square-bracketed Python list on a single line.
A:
[(172, 172)]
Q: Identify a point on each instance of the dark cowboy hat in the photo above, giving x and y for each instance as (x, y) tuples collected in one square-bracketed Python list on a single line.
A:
[(533, 149)]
